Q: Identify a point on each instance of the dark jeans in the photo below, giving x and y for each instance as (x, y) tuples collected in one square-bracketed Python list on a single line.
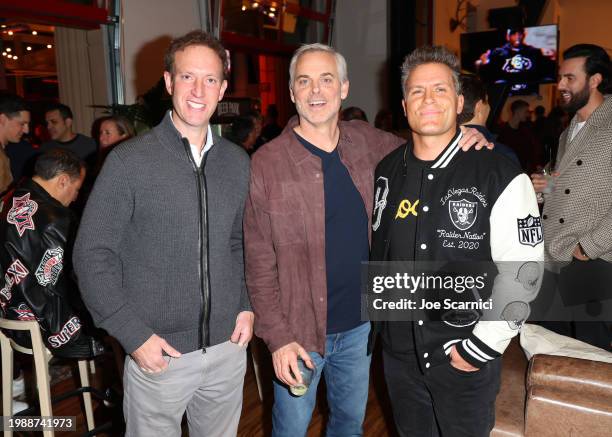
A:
[(446, 402)]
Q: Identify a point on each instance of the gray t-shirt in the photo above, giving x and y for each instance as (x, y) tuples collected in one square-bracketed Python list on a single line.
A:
[(84, 147)]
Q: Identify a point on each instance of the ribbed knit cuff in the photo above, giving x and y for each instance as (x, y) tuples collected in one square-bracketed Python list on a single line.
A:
[(475, 352)]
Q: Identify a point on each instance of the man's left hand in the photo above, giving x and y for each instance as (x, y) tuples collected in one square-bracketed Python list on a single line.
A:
[(459, 363), (243, 332), (579, 253), (471, 137)]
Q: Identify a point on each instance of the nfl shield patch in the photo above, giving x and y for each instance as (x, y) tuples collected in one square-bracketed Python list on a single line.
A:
[(463, 213), (530, 230)]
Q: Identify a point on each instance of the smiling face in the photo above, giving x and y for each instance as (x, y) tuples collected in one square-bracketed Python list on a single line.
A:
[(573, 84), (431, 103), (317, 90), (109, 134), (196, 86), (13, 127)]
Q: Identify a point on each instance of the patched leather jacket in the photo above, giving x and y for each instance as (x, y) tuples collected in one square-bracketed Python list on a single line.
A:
[(35, 284)]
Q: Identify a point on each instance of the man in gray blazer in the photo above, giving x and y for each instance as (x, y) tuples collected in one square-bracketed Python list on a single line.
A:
[(577, 214)]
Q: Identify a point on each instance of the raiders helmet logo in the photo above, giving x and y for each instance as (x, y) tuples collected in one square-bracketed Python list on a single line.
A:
[(530, 230), (463, 213)]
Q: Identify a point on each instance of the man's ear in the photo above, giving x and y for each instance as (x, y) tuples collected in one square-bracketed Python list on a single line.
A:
[(460, 101), (68, 122), (62, 180), (3, 119), (595, 80), (168, 81), (344, 89), (404, 107)]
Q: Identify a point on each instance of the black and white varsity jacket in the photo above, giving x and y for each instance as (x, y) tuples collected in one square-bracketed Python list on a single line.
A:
[(464, 206)]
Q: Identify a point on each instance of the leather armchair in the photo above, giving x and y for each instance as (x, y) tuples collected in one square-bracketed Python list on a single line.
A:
[(553, 396)]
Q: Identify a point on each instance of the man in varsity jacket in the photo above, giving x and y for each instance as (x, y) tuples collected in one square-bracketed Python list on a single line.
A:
[(435, 204)]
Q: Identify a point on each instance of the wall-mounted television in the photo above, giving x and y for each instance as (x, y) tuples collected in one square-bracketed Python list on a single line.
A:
[(526, 55)]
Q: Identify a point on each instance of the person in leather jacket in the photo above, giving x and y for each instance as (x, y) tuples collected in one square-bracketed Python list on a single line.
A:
[(37, 229)]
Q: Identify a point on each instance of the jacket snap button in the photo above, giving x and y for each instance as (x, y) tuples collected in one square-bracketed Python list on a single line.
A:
[(567, 191), (423, 246), (561, 220), (428, 365), (544, 216), (420, 322), (425, 355), (579, 162), (430, 176), (426, 208)]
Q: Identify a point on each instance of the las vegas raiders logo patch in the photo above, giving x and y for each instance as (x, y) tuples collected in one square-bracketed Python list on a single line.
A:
[(463, 213), (50, 266), (21, 213), (530, 230)]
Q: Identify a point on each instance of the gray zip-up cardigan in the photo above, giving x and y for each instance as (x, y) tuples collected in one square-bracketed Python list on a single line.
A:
[(143, 265)]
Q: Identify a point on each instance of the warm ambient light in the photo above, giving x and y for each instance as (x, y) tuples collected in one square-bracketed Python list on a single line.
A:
[(49, 46), (255, 5), (243, 7), (8, 49), (34, 32), (273, 9), (14, 57), (3, 26), (10, 32), (10, 56), (271, 15), (4, 53), (28, 48)]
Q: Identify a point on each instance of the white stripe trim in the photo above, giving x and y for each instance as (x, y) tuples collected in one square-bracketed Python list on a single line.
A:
[(448, 344), (448, 151), (472, 352), (476, 349), (450, 158)]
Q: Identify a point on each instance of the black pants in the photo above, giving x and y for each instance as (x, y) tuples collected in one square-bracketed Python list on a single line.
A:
[(446, 402)]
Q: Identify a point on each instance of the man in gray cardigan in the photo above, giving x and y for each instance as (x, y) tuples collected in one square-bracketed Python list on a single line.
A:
[(159, 256)]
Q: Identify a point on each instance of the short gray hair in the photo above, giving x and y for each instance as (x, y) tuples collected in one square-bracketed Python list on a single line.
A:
[(317, 47), (431, 55)]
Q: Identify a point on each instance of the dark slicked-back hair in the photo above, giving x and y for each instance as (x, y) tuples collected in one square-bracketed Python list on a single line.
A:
[(431, 55), (64, 110), (597, 61), (353, 113), (473, 90), (196, 38), (57, 161), (518, 104), (11, 104)]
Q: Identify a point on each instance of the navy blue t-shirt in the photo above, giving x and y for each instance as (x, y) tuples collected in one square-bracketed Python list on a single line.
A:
[(346, 241)]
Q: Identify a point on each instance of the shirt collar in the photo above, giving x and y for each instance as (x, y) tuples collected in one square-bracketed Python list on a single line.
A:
[(209, 138)]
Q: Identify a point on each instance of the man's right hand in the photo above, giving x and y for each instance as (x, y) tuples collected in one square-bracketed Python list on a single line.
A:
[(149, 356), (285, 363), (540, 181)]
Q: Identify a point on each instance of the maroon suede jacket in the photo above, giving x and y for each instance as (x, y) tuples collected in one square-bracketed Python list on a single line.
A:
[(284, 230)]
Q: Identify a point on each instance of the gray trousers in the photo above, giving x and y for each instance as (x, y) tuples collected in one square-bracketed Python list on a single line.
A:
[(206, 385)]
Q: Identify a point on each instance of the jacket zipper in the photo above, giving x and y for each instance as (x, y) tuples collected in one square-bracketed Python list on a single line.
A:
[(203, 335)]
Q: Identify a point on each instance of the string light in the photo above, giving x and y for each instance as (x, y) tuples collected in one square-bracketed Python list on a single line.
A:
[(34, 32), (14, 57), (271, 15), (8, 49), (49, 46), (10, 32), (4, 53), (272, 9), (28, 48), (244, 8), (255, 5)]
